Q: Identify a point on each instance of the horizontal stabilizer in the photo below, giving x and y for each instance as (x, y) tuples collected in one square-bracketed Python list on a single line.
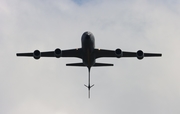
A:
[(75, 64), (102, 64)]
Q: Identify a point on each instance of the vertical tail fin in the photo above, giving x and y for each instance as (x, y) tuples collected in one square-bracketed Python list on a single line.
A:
[(89, 87)]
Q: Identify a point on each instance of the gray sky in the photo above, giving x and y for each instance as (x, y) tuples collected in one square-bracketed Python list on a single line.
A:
[(47, 86)]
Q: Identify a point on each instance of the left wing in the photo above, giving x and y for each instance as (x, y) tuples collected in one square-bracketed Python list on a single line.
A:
[(56, 53), (118, 53)]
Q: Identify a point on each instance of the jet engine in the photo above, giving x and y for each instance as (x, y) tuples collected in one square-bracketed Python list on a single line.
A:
[(140, 54), (37, 54), (57, 53), (118, 53)]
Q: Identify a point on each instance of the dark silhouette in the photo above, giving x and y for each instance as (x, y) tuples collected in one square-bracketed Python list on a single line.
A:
[(88, 53)]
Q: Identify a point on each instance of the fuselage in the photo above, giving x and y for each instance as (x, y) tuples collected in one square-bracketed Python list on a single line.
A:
[(88, 45)]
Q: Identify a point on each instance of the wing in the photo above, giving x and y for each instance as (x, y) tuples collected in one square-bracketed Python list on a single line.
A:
[(118, 53), (104, 53), (56, 53)]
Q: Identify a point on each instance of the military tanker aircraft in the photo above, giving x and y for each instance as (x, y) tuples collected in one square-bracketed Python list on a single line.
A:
[(88, 53)]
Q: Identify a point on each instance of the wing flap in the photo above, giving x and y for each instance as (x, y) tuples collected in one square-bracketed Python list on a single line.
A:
[(72, 53), (104, 53)]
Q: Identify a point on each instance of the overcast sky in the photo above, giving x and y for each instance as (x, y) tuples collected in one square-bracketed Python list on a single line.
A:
[(131, 86)]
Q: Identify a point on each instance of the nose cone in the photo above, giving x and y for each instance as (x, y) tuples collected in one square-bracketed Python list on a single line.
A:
[(87, 35), (87, 39)]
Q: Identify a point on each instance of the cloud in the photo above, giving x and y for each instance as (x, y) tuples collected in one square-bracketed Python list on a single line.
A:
[(48, 86)]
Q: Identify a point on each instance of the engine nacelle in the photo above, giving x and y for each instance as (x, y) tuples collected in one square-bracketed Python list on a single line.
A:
[(37, 54), (140, 54), (118, 53), (57, 53)]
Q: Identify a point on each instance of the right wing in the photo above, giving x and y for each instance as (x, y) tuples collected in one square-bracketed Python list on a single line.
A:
[(118, 53), (56, 53)]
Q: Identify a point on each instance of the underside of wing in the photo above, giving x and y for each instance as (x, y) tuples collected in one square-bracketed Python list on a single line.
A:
[(119, 53), (104, 53), (72, 53), (140, 54), (56, 53)]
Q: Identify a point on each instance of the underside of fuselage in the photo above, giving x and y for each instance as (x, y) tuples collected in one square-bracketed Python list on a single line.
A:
[(88, 45)]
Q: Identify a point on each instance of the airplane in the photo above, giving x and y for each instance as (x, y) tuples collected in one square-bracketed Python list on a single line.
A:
[(88, 53)]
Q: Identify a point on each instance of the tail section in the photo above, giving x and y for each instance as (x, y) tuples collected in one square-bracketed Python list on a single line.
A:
[(89, 87), (75, 64), (95, 65), (89, 68), (102, 64)]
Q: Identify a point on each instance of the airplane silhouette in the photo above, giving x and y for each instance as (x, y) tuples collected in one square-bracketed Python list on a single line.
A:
[(88, 53)]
